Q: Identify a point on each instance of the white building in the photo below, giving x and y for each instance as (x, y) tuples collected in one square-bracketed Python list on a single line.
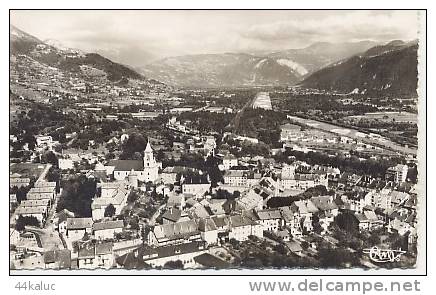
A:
[(146, 170), (229, 161), (397, 173), (107, 229)]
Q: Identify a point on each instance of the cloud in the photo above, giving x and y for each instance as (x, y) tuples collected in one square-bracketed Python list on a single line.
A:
[(347, 26), (137, 37)]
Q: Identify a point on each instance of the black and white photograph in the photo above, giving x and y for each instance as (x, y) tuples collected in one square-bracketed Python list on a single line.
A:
[(216, 140)]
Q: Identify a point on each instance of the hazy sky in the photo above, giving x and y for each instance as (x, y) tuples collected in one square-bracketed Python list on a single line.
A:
[(137, 37)]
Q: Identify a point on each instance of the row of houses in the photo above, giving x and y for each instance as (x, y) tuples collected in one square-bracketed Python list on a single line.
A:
[(75, 228), (38, 201)]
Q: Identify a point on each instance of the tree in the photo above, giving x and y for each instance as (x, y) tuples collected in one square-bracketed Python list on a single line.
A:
[(77, 195), (109, 211), (133, 197), (348, 222), (19, 224), (22, 221)]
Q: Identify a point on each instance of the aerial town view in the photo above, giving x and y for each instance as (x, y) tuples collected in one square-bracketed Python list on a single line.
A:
[(253, 144)]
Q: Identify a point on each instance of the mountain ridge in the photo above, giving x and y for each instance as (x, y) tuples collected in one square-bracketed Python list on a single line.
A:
[(233, 69), (389, 69)]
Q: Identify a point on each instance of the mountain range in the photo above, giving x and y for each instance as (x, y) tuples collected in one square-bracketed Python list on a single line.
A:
[(279, 68), (53, 54), (353, 67), (389, 69)]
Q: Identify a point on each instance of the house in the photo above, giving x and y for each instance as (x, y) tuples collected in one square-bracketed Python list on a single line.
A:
[(291, 220), (17, 180), (34, 261), (111, 193), (197, 189), (147, 256), (77, 227), (229, 161), (42, 192), (35, 203), (177, 201), (51, 185), (86, 256), (174, 233), (325, 204), (60, 220), (380, 199), (222, 226), (14, 236), (123, 247), (303, 181), (169, 174), (294, 247), (363, 221), (216, 207), (57, 259), (173, 215), (39, 212), (208, 230), (242, 227), (13, 199), (354, 201), (270, 219), (236, 178), (107, 229), (374, 222), (305, 210), (199, 210), (398, 173), (104, 257), (283, 235), (368, 220), (65, 164)]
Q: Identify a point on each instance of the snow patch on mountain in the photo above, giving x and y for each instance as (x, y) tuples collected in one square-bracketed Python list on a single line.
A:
[(293, 65), (260, 63)]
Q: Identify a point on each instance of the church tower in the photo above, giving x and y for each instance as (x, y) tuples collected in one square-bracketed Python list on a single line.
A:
[(148, 156), (151, 167)]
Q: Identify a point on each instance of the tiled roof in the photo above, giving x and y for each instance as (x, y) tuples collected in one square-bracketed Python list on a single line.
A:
[(269, 214), (108, 225), (324, 203), (211, 261), (176, 230), (206, 224), (103, 248), (79, 223), (127, 165), (173, 214), (61, 256)]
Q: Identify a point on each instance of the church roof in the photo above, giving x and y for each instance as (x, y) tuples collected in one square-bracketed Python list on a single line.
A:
[(127, 165), (148, 147)]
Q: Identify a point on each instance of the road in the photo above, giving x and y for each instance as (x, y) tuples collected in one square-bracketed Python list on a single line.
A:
[(44, 172), (49, 238)]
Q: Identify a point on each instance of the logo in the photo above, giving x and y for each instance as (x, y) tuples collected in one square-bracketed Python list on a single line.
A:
[(384, 255)]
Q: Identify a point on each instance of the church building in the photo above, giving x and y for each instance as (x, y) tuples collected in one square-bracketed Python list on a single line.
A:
[(145, 170)]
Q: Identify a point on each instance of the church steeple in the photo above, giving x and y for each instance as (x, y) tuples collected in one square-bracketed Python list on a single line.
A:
[(148, 148), (148, 156)]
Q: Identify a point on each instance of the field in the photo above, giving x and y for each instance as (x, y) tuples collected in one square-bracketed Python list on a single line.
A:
[(387, 116), (27, 169)]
